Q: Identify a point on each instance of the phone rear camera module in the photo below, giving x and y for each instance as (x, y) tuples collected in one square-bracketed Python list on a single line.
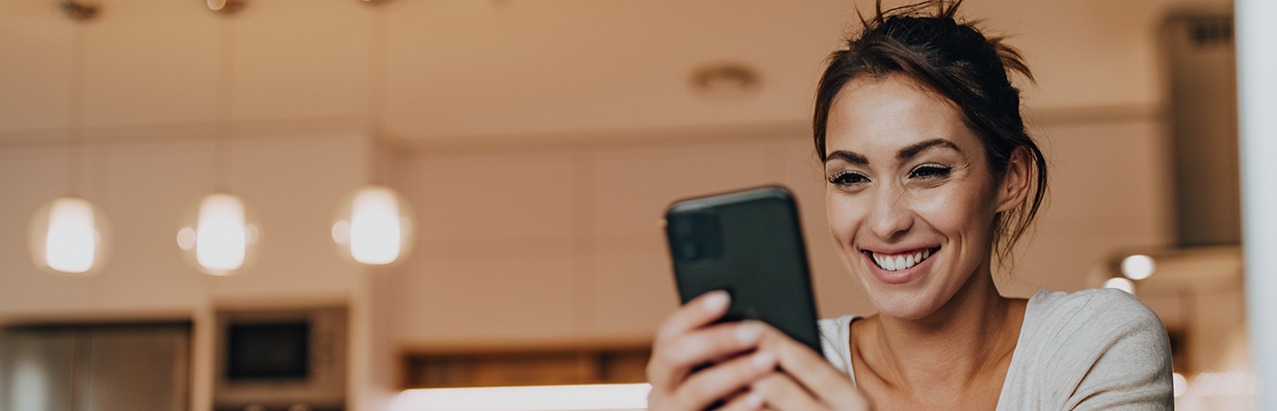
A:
[(698, 236)]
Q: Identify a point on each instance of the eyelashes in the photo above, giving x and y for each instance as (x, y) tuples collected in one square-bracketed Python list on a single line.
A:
[(925, 173), (930, 171), (847, 179)]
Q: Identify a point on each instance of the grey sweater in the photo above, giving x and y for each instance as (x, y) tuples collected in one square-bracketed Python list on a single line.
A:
[(1087, 350)]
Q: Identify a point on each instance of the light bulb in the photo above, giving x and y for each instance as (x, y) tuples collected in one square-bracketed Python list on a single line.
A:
[(220, 237), (374, 226), (1138, 266), (69, 236)]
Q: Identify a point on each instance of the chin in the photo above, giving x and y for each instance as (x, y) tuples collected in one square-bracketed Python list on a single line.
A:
[(912, 301), (905, 307)]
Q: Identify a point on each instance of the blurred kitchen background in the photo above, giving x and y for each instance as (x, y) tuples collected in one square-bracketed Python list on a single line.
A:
[(535, 144)]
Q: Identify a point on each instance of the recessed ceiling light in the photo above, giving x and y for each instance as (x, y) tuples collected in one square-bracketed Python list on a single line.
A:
[(225, 6), (725, 81)]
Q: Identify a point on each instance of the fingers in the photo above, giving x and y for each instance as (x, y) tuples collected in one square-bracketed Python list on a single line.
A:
[(685, 340), (749, 401), (806, 365), (674, 358), (782, 392), (697, 313), (722, 380), (807, 378)]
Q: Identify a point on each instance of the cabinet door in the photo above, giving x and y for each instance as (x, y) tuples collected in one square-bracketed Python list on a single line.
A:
[(36, 369), (135, 369), (94, 368)]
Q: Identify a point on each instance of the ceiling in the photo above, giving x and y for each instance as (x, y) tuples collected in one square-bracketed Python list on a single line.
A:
[(464, 69), (451, 68)]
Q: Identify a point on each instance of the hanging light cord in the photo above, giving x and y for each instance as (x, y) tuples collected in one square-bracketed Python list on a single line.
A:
[(376, 89), (225, 90), (77, 109)]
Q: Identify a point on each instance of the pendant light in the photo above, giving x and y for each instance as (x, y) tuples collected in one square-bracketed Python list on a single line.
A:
[(219, 235), (69, 235), (374, 224)]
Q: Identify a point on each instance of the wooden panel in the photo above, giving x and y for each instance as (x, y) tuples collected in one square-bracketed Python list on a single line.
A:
[(553, 366)]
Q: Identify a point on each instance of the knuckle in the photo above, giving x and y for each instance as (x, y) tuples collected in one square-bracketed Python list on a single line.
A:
[(699, 391), (667, 357), (764, 385), (665, 332)]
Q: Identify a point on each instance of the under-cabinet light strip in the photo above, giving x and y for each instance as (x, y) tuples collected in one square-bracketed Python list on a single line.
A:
[(533, 398)]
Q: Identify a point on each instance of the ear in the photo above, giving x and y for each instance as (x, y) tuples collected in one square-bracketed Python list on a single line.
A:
[(1014, 184)]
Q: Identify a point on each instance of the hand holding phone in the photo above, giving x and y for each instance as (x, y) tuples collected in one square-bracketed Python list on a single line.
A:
[(748, 243)]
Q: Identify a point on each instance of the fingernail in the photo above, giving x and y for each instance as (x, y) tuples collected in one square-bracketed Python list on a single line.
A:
[(716, 300), (764, 359), (748, 333)]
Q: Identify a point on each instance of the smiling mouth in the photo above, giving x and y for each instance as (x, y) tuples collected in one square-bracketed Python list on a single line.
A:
[(897, 262)]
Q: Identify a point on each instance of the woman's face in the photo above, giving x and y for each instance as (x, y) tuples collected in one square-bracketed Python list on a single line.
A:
[(910, 196)]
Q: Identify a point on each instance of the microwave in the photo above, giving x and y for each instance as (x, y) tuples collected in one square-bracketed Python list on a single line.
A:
[(281, 359)]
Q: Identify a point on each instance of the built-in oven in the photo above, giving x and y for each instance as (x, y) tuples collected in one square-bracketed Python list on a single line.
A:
[(293, 360)]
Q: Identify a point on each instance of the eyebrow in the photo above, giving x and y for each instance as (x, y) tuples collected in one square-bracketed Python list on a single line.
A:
[(913, 150), (904, 154)]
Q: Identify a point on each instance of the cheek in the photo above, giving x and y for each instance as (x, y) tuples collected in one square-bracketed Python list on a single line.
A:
[(843, 215), (957, 210)]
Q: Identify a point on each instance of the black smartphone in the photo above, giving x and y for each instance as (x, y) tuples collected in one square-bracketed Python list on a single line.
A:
[(750, 244)]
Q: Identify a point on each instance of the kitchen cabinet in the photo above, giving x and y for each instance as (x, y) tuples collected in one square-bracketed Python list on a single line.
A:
[(95, 367)]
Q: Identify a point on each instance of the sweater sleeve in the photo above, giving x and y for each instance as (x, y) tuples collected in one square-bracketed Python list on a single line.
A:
[(1131, 369)]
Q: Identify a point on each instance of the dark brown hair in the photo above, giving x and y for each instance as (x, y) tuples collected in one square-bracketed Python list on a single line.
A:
[(954, 59)]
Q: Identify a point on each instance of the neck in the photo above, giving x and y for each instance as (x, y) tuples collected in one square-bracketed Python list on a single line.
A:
[(963, 341)]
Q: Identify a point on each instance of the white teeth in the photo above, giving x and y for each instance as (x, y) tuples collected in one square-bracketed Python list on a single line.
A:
[(900, 262)]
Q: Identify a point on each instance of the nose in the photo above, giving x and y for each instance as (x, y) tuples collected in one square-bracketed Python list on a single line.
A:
[(891, 216)]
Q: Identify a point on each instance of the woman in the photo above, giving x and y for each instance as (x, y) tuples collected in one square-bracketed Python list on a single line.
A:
[(930, 175)]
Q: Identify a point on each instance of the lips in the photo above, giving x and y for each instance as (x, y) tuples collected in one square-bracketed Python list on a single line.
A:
[(899, 267), (896, 262)]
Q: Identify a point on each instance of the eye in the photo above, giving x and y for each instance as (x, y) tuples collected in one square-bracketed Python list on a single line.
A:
[(848, 179), (930, 171)]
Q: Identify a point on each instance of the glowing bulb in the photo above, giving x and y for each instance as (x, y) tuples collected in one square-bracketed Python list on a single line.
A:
[(1138, 267), (220, 240), (1179, 384), (221, 237), (1120, 284), (68, 236), (72, 238), (374, 226)]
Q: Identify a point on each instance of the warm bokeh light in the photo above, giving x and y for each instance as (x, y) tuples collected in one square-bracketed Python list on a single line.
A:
[(1120, 284), (68, 236), (374, 226), (1138, 266), (1179, 383), (220, 239)]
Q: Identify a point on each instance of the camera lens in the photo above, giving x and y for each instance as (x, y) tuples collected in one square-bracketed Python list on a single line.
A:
[(689, 251)]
